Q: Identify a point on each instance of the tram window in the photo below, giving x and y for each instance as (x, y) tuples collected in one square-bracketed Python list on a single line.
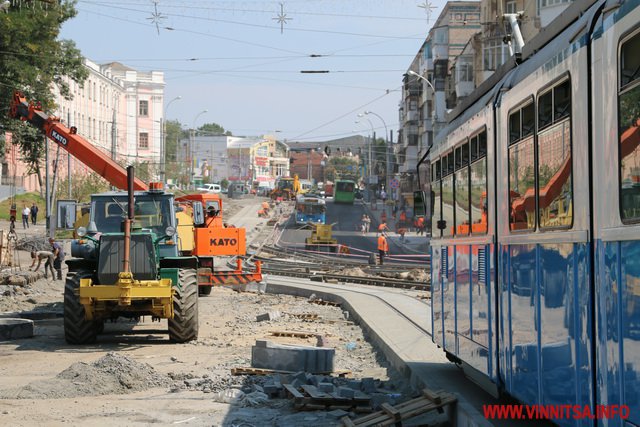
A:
[(629, 129), (482, 144), (436, 177), (514, 127), (436, 209), (462, 201), (528, 120), (444, 166), (555, 207), (465, 154), (522, 186), (450, 163), (458, 158), (561, 101), (474, 148), (478, 189), (447, 206), (545, 103)]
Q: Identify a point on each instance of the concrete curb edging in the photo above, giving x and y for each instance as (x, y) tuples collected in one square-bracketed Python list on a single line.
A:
[(13, 329)]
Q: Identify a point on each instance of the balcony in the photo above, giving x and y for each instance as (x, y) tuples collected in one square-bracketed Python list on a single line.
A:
[(412, 116)]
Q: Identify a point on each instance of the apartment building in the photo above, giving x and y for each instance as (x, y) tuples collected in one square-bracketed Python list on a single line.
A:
[(118, 110)]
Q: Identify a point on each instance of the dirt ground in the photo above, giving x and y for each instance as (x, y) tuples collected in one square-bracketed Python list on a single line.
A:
[(133, 376)]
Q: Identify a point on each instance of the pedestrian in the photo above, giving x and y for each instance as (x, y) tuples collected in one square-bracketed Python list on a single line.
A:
[(383, 247), (58, 256), (383, 196), (48, 265), (367, 223), (25, 216), (402, 231), (363, 225), (403, 218), (34, 213)]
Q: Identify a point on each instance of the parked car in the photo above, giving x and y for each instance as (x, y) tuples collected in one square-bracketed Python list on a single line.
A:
[(210, 188)]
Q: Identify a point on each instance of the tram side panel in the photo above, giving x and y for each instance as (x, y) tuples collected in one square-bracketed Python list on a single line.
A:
[(616, 166), (543, 225), (463, 262)]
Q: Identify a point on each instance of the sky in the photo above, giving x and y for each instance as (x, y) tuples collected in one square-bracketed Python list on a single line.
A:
[(241, 62)]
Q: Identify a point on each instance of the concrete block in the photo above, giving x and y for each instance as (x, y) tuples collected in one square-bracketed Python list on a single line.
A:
[(338, 413), (325, 387), (271, 389), (346, 392), (262, 343), (283, 357), (12, 329), (296, 383), (354, 384), (368, 385), (301, 376), (272, 315)]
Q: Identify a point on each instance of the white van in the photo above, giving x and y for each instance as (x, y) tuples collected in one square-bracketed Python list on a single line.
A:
[(210, 188)]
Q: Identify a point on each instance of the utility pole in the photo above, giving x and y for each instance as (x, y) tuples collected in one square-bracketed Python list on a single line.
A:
[(114, 144), (47, 207), (69, 159)]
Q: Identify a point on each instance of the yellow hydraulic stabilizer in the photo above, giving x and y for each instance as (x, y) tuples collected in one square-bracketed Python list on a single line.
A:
[(126, 290)]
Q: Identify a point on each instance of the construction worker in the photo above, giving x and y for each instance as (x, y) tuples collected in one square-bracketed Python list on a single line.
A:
[(382, 227), (39, 256), (403, 218), (383, 247), (265, 206)]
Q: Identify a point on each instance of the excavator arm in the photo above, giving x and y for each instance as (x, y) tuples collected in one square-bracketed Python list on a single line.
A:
[(75, 144)]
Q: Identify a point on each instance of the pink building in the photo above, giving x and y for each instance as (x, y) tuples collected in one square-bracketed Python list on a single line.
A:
[(118, 109)]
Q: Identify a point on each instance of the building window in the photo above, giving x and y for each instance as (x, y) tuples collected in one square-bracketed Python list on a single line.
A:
[(464, 72), (494, 54), (522, 169), (143, 111), (629, 128), (511, 7), (143, 140), (548, 3), (554, 158)]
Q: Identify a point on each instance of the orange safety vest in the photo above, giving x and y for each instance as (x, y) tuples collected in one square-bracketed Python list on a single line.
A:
[(382, 227), (382, 244), (403, 216)]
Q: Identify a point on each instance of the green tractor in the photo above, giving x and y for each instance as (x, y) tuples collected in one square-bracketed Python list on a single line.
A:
[(126, 264)]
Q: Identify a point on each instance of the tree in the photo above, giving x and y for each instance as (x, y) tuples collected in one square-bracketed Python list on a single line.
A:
[(33, 60), (82, 189), (341, 167), (213, 129)]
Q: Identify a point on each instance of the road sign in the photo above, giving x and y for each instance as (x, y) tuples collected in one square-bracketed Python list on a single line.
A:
[(394, 183), (373, 179)]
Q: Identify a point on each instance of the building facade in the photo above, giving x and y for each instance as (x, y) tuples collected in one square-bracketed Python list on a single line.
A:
[(118, 110)]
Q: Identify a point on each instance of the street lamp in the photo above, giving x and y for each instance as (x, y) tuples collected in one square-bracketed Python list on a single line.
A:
[(413, 73), (163, 142), (386, 140), (369, 165), (193, 140)]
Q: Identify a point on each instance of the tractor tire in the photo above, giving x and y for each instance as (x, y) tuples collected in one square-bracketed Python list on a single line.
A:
[(77, 329), (184, 325), (205, 291)]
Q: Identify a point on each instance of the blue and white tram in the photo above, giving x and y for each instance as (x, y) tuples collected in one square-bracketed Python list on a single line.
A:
[(310, 208), (535, 187)]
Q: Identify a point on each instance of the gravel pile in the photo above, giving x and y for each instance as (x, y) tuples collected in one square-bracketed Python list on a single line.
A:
[(33, 243), (111, 374)]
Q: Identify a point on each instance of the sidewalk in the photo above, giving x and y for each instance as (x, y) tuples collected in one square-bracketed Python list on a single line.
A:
[(413, 243)]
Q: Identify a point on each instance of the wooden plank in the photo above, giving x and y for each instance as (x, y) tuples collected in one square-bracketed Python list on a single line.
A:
[(292, 390), (347, 422), (315, 393), (432, 396), (294, 334), (391, 411), (256, 371)]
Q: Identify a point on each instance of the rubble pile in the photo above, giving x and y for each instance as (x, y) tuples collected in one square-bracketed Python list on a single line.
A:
[(33, 243), (111, 374)]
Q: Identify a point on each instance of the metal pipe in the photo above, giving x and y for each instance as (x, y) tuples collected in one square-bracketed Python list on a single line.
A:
[(126, 262)]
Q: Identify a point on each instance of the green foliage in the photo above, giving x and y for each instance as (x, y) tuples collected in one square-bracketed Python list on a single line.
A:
[(82, 187), (213, 129), (32, 61), (21, 200), (173, 134), (224, 183), (342, 167)]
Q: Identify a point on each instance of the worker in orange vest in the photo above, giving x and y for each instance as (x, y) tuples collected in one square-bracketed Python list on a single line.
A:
[(383, 247), (382, 227), (403, 219), (265, 206)]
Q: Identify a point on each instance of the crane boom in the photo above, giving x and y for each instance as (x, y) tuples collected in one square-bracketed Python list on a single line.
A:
[(75, 144)]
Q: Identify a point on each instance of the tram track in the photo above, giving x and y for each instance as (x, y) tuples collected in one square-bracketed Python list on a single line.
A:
[(385, 301)]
